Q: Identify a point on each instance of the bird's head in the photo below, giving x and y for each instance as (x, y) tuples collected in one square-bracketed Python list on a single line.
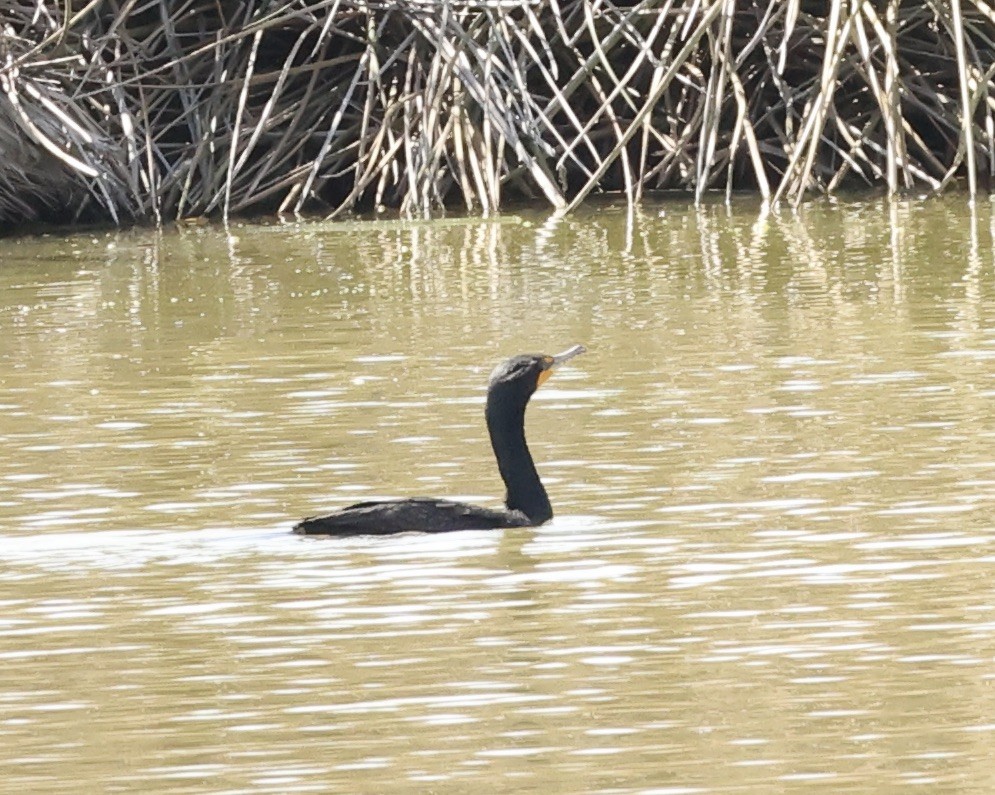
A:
[(521, 375)]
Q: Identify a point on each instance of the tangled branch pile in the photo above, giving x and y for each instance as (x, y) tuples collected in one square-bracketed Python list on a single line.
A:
[(150, 110)]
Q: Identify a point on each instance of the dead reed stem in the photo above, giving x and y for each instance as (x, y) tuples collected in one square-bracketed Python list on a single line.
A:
[(137, 109)]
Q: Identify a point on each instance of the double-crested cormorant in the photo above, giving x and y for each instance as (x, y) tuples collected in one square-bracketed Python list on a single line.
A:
[(526, 503)]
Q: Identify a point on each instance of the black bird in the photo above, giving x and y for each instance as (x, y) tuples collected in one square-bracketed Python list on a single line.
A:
[(526, 502)]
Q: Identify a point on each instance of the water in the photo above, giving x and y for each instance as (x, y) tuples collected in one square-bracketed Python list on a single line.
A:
[(773, 477)]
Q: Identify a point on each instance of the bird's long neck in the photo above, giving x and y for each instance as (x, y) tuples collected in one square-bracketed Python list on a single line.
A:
[(506, 424)]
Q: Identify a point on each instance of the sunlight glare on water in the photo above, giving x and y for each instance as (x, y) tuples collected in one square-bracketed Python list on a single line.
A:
[(772, 474)]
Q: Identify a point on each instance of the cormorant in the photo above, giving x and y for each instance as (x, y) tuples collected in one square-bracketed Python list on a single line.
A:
[(526, 503)]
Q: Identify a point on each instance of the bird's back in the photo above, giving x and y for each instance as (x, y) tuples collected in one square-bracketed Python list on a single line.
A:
[(418, 515)]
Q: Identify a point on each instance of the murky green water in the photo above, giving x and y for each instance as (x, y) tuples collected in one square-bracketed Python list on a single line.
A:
[(770, 570)]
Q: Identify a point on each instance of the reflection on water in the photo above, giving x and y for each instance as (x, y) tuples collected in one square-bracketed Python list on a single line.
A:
[(772, 474)]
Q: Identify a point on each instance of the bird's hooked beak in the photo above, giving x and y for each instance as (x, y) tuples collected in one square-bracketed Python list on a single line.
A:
[(550, 362)]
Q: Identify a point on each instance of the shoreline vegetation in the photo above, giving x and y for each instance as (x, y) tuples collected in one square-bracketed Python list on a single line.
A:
[(140, 110)]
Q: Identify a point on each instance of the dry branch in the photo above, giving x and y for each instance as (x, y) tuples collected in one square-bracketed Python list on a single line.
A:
[(146, 110)]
